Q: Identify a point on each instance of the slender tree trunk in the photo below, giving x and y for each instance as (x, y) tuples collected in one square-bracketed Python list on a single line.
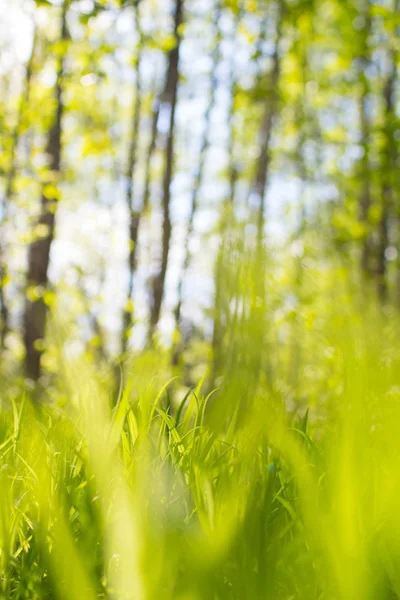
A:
[(39, 249), (365, 196), (135, 214), (232, 166), (198, 179), (169, 97), (228, 208), (271, 107), (388, 171), (383, 243), (9, 191), (150, 152)]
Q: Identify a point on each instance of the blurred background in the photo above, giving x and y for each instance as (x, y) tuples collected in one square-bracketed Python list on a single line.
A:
[(209, 178)]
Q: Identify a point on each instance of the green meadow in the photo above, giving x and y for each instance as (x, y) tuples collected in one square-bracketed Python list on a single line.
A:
[(274, 484)]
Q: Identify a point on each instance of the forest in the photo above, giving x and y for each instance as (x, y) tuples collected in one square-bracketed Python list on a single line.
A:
[(199, 299)]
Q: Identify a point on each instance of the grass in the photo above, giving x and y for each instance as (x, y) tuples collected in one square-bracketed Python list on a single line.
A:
[(140, 501), (282, 484)]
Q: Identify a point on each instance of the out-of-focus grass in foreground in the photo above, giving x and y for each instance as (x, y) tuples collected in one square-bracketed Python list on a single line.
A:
[(283, 483), (139, 500)]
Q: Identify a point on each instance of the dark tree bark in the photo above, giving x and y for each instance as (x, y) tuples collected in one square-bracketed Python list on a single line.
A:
[(135, 213), (198, 180), (39, 249), (9, 190), (170, 95)]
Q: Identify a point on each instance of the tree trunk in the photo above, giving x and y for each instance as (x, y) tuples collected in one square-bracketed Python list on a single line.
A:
[(228, 209), (9, 191), (271, 106), (39, 249), (388, 172), (198, 179), (150, 152), (135, 214), (170, 97), (365, 126)]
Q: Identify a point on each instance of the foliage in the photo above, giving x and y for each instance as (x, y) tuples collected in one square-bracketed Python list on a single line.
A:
[(145, 500)]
